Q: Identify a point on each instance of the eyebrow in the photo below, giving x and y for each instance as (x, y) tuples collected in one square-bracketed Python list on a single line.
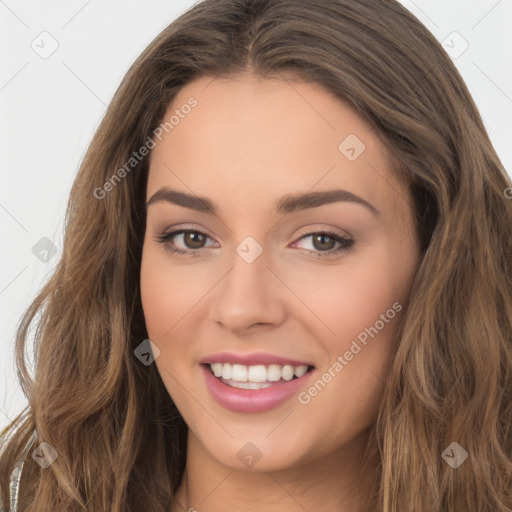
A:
[(285, 205)]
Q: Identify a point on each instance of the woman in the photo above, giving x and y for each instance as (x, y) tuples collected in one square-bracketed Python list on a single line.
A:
[(200, 348)]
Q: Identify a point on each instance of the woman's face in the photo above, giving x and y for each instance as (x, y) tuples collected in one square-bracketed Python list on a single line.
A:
[(258, 289)]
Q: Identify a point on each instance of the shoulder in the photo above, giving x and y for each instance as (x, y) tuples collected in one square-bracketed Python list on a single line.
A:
[(14, 485)]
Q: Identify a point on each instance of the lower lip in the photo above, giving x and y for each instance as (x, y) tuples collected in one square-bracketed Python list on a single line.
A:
[(252, 400)]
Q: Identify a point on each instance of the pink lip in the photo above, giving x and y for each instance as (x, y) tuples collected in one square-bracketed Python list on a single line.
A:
[(251, 359), (252, 400)]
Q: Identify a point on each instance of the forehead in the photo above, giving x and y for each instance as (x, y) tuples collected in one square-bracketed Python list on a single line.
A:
[(265, 138)]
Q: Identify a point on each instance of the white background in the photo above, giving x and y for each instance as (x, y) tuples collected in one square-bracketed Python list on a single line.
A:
[(50, 108)]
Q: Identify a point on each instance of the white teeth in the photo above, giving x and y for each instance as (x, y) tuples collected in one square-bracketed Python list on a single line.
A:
[(300, 371), (274, 373), (248, 385), (287, 372), (238, 372), (257, 374), (226, 371), (217, 369)]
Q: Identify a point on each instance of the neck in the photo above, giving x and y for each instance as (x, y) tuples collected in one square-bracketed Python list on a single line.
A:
[(336, 482)]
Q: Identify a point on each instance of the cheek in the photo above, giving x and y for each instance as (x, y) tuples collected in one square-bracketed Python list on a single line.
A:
[(167, 292), (166, 298), (359, 347), (157, 295), (174, 297), (342, 300), (360, 306), (364, 311)]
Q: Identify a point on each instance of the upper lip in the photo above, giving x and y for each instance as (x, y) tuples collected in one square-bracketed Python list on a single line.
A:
[(252, 359)]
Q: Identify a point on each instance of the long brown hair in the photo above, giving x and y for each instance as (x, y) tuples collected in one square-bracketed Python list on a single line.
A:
[(120, 440)]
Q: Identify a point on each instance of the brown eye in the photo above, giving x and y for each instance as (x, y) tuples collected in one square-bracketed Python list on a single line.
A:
[(321, 242), (192, 242), (193, 239)]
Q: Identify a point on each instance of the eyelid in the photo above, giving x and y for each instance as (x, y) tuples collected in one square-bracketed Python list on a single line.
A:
[(188, 227), (311, 229), (307, 230)]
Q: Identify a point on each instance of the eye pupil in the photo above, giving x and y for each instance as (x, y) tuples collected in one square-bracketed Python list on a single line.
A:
[(323, 237), (191, 238)]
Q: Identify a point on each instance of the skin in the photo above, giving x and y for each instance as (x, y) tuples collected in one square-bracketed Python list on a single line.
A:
[(248, 142)]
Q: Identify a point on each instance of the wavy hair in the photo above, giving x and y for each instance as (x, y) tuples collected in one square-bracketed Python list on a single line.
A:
[(120, 440)]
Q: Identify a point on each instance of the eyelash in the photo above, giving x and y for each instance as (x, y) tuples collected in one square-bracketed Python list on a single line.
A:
[(165, 238)]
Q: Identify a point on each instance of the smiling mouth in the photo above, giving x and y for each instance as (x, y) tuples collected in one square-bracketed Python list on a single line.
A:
[(256, 376)]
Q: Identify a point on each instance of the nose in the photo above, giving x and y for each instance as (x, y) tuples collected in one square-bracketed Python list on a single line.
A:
[(249, 294)]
